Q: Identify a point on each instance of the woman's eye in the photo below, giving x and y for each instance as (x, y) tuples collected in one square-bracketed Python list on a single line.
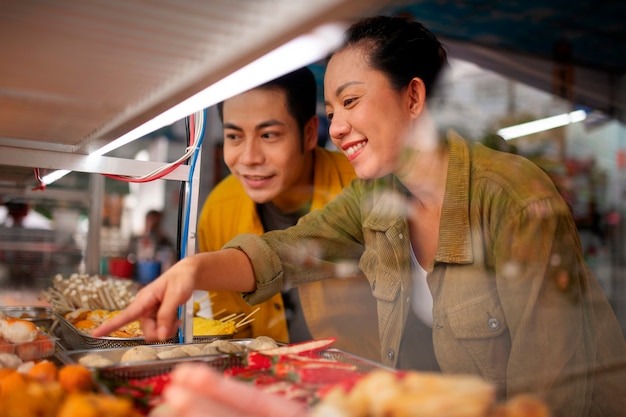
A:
[(329, 116), (348, 101)]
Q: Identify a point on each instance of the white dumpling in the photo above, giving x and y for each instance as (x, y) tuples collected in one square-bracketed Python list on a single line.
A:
[(192, 350), (221, 346), (262, 343), (139, 354), (172, 353), (93, 360)]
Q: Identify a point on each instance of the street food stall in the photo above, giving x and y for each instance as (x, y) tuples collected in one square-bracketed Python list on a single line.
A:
[(93, 77)]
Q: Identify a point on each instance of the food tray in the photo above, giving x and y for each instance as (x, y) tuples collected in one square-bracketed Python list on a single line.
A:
[(140, 370), (145, 369), (40, 316), (42, 347), (74, 339)]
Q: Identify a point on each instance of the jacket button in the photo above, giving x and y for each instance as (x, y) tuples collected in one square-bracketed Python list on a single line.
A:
[(494, 323), (390, 354), (401, 236)]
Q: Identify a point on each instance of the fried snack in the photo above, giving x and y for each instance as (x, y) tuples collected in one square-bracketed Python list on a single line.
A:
[(209, 327), (75, 377), (18, 330), (385, 394)]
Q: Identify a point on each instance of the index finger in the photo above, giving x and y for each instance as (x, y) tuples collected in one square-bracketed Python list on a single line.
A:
[(132, 312)]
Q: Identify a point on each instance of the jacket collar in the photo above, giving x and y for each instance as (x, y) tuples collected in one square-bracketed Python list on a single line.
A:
[(455, 243), (388, 205)]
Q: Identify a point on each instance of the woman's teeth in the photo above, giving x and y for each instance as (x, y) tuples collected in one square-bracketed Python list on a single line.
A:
[(353, 149)]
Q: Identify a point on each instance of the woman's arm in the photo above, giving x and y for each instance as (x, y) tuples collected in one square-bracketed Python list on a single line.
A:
[(156, 305)]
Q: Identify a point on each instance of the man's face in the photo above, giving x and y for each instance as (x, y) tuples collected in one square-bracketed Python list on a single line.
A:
[(264, 148)]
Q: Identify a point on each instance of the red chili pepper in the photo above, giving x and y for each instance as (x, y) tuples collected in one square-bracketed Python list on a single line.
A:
[(257, 360)]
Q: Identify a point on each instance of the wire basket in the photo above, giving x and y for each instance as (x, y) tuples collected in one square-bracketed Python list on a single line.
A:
[(221, 362), (74, 339), (123, 371)]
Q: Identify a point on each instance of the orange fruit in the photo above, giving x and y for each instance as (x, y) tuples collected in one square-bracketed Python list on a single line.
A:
[(75, 377), (12, 383), (44, 371)]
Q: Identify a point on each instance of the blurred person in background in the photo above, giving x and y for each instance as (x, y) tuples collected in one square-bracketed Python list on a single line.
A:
[(153, 245)]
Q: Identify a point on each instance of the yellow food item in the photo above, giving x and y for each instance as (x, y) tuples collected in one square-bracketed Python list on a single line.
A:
[(208, 327)]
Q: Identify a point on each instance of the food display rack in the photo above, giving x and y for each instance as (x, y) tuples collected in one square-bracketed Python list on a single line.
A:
[(80, 75)]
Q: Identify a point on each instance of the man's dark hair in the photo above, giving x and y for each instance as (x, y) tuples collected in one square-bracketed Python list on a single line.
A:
[(301, 93)]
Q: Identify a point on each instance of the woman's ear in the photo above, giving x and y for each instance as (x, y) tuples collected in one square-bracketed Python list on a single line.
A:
[(417, 96), (311, 133)]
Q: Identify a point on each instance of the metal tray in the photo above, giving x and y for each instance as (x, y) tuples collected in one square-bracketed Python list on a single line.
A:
[(74, 339), (40, 316), (145, 369), (139, 370)]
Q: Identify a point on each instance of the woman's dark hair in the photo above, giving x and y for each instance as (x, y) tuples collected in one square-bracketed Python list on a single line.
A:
[(301, 93), (399, 47)]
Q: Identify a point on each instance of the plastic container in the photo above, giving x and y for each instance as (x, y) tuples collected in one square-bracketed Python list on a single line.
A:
[(42, 347), (120, 268), (148, 271)]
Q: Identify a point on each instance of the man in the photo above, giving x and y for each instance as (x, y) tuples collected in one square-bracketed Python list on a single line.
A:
[(279, 174)]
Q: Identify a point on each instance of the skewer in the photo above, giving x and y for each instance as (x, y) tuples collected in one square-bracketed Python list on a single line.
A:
[(227, 318), (243, 321), (235, 317)]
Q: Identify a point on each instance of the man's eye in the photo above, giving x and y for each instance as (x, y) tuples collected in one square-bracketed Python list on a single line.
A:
[(231, 136), (348, 101), (329, 116)]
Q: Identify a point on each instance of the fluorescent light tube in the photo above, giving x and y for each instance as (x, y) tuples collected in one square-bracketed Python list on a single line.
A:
[(54, 176), (542, 124), (295, 54)]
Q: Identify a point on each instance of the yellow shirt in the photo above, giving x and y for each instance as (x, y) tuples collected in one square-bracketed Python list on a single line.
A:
[(344, 308)]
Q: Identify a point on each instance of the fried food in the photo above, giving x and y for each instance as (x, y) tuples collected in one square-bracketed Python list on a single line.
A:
[(209, 327), (15, 330)]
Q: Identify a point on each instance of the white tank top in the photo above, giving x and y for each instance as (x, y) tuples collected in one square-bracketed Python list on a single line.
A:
[(422, 302)]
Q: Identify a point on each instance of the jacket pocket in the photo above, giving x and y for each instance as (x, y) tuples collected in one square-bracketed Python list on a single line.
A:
[(480, 329)]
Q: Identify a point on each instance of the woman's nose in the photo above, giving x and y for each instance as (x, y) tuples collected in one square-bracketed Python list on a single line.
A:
[(338, 129)]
